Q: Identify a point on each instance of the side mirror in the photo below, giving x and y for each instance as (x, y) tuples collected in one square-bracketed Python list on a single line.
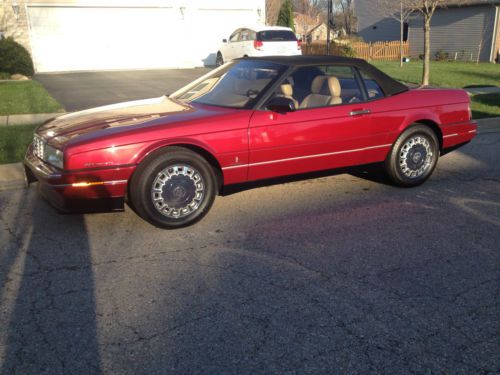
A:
[(224, 40), (281, 104)]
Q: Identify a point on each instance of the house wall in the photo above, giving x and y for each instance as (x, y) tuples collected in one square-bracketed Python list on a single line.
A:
[(373, 23), (457, 30)]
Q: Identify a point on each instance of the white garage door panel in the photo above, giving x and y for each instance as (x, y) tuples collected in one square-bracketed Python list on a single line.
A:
[(92, 38)]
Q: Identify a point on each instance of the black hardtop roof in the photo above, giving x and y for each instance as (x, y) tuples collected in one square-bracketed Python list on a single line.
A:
[(388, 84), (309, 59)]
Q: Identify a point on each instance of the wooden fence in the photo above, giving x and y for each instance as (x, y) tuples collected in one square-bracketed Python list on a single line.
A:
[(385, 51)]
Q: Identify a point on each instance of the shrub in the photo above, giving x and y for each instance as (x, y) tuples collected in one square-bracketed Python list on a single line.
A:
[(14, 58), (336, 48), (441, 55), (344, 50)]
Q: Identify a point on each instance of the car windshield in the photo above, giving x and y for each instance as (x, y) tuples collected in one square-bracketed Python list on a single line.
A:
[(237, 84)]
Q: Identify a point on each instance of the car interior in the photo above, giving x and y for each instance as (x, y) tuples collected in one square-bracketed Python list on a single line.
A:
[(319, 86)]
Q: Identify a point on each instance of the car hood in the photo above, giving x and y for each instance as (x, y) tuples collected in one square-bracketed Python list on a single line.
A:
[(77, 124)]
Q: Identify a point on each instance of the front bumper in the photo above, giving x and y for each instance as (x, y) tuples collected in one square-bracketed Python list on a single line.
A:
[(96, 190)]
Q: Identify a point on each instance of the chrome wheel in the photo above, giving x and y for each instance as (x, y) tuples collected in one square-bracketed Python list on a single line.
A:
[(415, 156), (177, 191)]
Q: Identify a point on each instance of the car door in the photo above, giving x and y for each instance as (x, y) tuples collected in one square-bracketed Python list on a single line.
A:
[(244, 43), (230, 50), (315, 137)]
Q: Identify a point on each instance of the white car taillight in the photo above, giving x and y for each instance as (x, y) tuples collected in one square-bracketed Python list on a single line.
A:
[(299, 45), (258, 44)]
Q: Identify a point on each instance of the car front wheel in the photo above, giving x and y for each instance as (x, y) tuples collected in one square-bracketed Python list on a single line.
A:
[(173, 189), (413, 157)]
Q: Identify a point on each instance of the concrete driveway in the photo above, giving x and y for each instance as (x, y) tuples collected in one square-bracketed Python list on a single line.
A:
[(82, 90), (336, 275)]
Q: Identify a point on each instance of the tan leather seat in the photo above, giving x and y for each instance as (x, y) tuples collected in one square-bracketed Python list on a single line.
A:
[(317, 99), (287, 92)]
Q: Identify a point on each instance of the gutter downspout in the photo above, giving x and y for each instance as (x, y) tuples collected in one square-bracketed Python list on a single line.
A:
[(494, 47)]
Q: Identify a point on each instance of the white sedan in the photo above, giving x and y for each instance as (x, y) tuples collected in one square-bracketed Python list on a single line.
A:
[(259, 41)]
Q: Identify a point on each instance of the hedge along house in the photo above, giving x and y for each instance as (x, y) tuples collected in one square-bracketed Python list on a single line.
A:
[(470, 31), (72, 35)]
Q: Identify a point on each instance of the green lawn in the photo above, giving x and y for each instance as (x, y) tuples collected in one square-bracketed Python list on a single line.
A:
[(26, 97), (453, 74), (485, 105), (444, 74), (13, 142)]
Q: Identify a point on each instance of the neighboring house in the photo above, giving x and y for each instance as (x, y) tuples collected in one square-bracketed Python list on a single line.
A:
[(69, 35), (467, 32), (310, 28)]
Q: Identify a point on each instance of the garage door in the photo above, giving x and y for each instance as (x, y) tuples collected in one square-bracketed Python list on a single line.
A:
[(99, 38)]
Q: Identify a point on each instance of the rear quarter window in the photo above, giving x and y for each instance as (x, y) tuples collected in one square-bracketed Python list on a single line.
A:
[(373, 89), (276, 36)]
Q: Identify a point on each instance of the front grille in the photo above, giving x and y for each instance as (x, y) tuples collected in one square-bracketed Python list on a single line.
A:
[(38, 146)]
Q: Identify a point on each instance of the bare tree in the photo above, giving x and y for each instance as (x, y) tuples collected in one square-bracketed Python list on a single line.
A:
[(272, 10), (426, 8), (346, 9), (401, 12)]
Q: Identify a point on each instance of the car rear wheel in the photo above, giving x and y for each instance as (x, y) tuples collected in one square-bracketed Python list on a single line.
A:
[(413, 157), (173, 189), (219, 60)]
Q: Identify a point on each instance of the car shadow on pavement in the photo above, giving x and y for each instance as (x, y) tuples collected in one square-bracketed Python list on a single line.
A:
[(370, 172), (48, 302)]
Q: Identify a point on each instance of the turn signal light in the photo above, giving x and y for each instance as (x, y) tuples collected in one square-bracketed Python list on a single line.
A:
[(85, 184)]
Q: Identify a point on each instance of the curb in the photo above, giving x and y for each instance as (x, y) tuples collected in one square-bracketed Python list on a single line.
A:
[(29, 119), (12, 176)]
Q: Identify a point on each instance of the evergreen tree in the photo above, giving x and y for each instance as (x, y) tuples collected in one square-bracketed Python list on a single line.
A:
[(285, 16)]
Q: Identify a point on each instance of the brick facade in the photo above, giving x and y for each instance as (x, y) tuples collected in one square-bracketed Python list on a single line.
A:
[(15, 25)]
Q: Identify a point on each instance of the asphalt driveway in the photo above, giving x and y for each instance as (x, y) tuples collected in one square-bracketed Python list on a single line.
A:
[(335, 275), (82, 90)]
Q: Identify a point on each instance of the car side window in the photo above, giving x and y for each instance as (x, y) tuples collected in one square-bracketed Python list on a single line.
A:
[(373, 89), (244, 36), (234, 37), (320, 86)]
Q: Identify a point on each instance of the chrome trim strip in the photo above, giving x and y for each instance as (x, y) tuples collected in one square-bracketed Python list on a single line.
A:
[(115, 182), (306, 157), (473, 131), (450, 135)]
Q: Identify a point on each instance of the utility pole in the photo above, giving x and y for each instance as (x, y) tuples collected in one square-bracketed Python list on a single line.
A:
[(401, 20), (328, 20)]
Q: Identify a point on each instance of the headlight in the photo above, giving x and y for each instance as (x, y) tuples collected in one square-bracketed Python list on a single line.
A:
[(53, 156)]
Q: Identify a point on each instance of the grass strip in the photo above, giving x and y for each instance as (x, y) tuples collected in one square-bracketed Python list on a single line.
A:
[(13, 142), (26, 97)]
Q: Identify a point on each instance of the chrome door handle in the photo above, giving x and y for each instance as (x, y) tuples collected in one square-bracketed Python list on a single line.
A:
[(360, 112)]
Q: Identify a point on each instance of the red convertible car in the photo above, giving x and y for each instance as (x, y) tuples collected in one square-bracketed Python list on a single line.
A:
[(250, 119)]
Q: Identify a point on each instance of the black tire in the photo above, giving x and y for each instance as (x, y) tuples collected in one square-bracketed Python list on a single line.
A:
[(173, 188), (219, 60), (413, 156)]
